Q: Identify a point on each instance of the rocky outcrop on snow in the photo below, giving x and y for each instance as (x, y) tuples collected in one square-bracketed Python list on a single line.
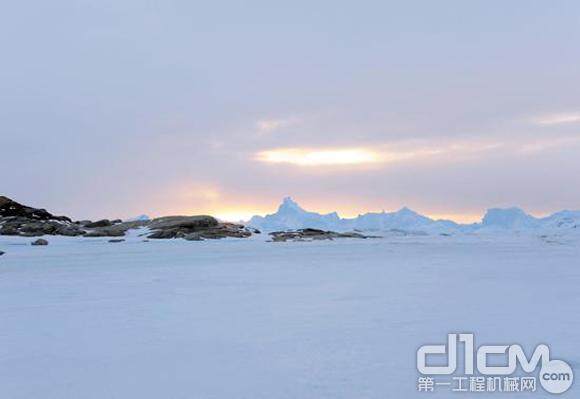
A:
[(23, 226), (19, 226), (10, 208), (99, 223), (313, 235), (195, 228), (20, 220), (17, 219), (118, 229)]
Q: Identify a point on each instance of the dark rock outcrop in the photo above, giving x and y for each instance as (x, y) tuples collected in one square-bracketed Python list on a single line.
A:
[(40, 241), (15, 225), (21, 220), (116, 230), (10, 208), (195, 228), (313, 234), (183, 222), (70, 231), (9, 230), (99, 223)]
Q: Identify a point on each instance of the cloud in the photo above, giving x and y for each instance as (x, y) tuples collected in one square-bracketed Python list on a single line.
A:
[(379, 154), (557, 119), (544, 145), (270, 125), (319, 157)]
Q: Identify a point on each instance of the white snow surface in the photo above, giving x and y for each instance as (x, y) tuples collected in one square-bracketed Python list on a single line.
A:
[(291, 216), (235, 318)]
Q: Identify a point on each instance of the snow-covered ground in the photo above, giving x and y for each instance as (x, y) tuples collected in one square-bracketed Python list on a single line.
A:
[(85, 318)]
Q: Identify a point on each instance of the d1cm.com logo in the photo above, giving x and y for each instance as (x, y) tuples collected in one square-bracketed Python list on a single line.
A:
[(555, 376)]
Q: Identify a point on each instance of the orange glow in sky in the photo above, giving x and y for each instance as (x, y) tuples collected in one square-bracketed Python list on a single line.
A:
[(233, 214)]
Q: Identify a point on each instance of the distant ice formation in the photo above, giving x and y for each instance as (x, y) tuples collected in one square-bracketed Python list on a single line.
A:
[(291, 216), (140, 218)]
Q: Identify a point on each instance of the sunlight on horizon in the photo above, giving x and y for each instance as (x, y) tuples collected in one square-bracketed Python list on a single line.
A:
[(245, 214), (233, 215), (306, 157)]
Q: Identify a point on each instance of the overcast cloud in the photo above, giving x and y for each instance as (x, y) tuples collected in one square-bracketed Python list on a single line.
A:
[(117, 108)]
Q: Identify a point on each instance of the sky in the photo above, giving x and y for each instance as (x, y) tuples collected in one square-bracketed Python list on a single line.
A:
[(115, 108)]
